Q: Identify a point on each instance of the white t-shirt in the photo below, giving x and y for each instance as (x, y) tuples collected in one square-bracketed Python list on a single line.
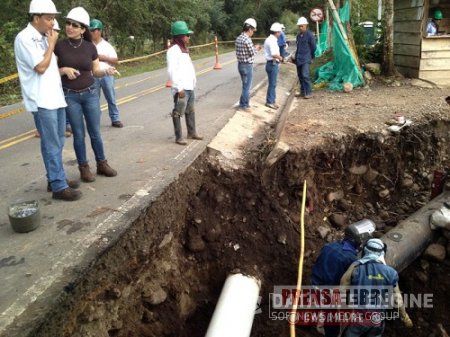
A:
[(105, 48), (181, 70), (271, 47), (38, 90)]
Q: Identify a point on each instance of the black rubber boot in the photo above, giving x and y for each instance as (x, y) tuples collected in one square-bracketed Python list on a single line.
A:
[(190, 124), (178, 132)]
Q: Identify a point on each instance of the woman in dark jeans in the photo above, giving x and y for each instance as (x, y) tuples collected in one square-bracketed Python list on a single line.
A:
[(78, 62)]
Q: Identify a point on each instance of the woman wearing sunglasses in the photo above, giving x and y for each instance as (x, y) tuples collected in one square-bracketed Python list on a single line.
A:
[(78, 64)]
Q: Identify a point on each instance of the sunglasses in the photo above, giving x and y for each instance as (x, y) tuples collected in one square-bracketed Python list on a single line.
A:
[(73, 24)]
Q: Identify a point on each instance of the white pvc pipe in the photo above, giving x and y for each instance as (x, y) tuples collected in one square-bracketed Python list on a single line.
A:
[(233, 316)]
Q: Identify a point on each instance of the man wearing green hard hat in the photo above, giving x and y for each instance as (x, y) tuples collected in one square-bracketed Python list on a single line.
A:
[(433, 24), (108, 58), (182, 75)]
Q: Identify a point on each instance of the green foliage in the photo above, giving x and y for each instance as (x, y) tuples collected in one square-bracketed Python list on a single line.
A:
[(148, 21), (366, 53)]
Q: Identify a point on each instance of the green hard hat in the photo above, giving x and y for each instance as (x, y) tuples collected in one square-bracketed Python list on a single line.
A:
[(95, 24), (180, 28), (438, 14)]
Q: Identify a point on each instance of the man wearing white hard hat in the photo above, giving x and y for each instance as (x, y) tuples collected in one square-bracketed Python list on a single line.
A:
[(43, 94), (282, 43), (303, 57), (245, 54), (273, 59), (369, 273)]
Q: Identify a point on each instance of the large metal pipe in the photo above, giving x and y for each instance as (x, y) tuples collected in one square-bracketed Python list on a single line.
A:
[(411, 237), (233, 316)]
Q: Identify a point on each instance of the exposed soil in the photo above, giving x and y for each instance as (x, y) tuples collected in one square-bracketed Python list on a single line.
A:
[(163, 277)]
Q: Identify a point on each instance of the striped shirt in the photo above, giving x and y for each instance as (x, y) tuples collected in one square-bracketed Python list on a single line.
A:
[(245, 50)]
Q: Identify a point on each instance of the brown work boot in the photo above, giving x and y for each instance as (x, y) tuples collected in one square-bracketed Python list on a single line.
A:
[(86, 174), (67, 194), (71, 183), (104, 169), (195, 136), (181, 141)]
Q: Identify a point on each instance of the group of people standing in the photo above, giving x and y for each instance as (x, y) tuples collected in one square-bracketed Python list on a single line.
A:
[(61, 82), (275, 53), (62, 78)]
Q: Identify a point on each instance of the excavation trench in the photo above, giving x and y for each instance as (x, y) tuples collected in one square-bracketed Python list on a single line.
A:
[(164, 275)]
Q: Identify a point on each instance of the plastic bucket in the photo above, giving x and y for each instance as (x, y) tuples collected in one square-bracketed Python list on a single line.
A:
[(24, 216)]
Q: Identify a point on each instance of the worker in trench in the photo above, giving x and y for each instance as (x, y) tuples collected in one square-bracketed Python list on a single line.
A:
[(335, 258), (368, 274)]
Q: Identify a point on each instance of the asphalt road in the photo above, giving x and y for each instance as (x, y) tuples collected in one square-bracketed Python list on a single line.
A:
[(144, 154)]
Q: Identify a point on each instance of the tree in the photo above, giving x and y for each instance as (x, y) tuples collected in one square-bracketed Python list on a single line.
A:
[(388, 53)]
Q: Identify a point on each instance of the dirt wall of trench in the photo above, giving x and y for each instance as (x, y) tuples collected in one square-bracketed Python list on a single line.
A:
[(164, 275)]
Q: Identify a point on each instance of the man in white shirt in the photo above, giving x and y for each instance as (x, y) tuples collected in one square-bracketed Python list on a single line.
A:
[(108, 58), (273, 58), (42, 92), (182, 74)]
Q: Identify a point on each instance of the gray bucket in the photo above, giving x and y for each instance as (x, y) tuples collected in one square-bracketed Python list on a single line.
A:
[(24, 216)]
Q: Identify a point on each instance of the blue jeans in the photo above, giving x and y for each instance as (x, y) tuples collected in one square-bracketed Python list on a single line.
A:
[(272, 74), (51, 125), (246, 72), (107, 85), (304, 79), (85, 107), (283, 52), (364, 330)]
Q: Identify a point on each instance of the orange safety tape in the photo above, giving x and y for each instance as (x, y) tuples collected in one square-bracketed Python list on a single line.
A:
[(14, 76), (9, 78)]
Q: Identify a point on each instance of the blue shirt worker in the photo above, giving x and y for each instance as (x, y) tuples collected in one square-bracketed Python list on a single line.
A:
[(370, 271), (273, 59), (42, 92), (182, 74), (334, 260), (433, 24), (304, 55), (107, 57), (282, 42), (245, 54)]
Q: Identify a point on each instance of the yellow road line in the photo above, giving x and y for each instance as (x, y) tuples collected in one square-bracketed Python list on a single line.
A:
[(17, 141), (12, 113), (30, 134)]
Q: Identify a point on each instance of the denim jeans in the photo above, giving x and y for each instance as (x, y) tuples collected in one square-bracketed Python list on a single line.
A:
[(51, 125), (363, 330), (246, 72), (106, 83), (283, 52), (304, 79), (272, 74), (85, 107)]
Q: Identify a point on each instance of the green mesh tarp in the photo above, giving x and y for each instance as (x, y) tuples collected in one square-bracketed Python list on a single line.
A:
[(343, 68), (322, 43)]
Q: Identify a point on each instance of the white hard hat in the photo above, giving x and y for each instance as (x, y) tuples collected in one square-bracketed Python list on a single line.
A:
[(42, 7), (250, 22), (80, 15), (302, 21), (276, 27), (56, 25), (375, 246)]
